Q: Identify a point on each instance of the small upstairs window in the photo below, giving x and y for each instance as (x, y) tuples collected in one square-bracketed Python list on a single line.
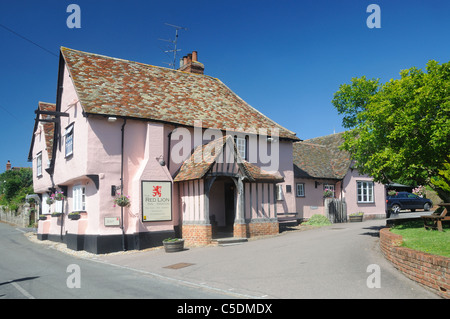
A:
[(39, 165), (69, 140)]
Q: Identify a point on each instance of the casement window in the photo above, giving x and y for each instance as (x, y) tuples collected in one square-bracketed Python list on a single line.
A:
[(365, 192), (329, 187), (39, 165), (300, 190), (279, 191), (79, 198), (69, 140), (58, 206), (45, 205), (241, 145)]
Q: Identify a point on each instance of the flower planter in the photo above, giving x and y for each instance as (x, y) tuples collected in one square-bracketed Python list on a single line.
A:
[(74, 216), (56, 214), (42, 217), (171, 246), (355, 219)]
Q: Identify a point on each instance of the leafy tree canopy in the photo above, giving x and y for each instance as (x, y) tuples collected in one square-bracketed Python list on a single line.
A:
[(400, 130), (14, 186)]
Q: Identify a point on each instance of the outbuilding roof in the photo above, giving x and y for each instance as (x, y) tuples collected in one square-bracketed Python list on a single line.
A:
[(321, 158), (117, 87)]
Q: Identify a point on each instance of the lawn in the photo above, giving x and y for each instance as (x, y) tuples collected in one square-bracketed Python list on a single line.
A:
[(415, 236)]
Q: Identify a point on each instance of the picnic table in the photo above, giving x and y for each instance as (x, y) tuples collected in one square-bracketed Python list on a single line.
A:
[(434, 221)]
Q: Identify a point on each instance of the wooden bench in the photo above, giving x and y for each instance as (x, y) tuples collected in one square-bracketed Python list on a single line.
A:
[(434, 221), (288, 219)]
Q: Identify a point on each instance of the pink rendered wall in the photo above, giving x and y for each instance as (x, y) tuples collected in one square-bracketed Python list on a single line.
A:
[(40, 184), (350, 194), (313, 203), (287, 204)]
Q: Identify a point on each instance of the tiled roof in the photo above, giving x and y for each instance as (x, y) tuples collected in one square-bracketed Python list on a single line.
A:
[(111, 86), (196, 166), (321, 157), (48, 127)]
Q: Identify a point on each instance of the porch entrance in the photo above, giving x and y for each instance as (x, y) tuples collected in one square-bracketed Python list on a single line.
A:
[(222, 207)]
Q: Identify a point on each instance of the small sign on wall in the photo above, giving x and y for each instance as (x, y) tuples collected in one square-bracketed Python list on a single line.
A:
[(112, 221), (156, 201)]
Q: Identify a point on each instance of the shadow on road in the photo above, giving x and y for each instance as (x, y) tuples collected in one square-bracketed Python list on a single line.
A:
[(18, 280), (373, 231)]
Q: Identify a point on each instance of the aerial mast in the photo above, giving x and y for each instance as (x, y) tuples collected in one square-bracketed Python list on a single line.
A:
[(174, 49)]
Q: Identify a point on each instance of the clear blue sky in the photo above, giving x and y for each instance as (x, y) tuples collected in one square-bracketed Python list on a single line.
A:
[(285, 58)]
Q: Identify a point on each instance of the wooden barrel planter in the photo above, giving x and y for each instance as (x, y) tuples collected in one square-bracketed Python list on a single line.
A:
[(355, 218), (173, 245)]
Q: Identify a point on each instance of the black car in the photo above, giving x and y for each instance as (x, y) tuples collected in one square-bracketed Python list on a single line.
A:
[(405, 200)]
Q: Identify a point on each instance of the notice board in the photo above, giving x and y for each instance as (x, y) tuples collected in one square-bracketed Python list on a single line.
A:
[(156, 201)]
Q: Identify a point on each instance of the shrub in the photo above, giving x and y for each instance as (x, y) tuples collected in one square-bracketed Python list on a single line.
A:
[(317, 220)]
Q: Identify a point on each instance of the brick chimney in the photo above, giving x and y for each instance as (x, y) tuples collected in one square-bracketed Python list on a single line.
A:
[(189, 63), (8, 165)]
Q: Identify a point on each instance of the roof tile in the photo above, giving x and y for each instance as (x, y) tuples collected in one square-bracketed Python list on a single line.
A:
[(111, 86)]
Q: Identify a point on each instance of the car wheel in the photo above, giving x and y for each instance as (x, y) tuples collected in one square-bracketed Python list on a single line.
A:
[(426, 207), (396, 208)]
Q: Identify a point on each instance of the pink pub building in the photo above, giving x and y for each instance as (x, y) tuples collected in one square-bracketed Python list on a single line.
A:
[(182, 153)]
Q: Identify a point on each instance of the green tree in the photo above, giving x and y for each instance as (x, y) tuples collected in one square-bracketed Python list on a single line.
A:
[(351, 99), (14, 186), (402, 130)]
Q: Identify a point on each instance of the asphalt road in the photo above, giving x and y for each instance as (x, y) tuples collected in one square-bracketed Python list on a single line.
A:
[(34, 271), (338, 261), (331, 262)]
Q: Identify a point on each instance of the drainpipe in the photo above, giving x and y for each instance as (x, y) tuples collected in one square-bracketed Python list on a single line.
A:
[(121, 183), (168, 150)]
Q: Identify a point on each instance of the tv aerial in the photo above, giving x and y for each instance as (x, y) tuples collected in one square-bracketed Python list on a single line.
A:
[(173, 49)]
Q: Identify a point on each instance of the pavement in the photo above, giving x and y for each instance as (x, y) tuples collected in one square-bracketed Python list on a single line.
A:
[(328, 262)]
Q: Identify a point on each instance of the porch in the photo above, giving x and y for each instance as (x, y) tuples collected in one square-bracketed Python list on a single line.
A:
[(223, 196)]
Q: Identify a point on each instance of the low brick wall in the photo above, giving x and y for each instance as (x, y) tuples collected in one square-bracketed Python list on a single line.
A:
[(431, 271), (256, 229), (197, 234)]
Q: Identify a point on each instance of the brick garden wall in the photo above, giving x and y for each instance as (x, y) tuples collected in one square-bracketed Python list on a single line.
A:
[(197, 234), (263, 229), (431, 271)]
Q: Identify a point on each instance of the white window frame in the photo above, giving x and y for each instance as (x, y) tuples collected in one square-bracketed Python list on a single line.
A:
[(300, 189), (330, 187), (241, 146), (365, 192), (279, 192), (79, 198), (45, 207), (39, 164), (58, 206), (68, 145)]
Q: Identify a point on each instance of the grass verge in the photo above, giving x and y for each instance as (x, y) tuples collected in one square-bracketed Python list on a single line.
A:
[(416, 237)]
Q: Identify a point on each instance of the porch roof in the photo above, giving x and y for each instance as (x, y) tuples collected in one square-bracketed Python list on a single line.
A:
[(205, 156)]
